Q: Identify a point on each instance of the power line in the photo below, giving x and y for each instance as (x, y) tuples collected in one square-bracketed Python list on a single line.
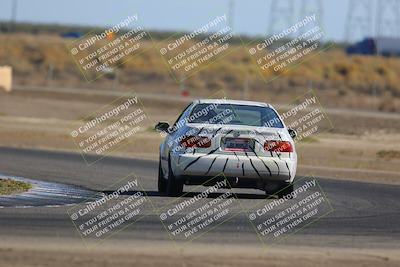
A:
[(310, 7), (359, 19), (388, 18), (281, 15)]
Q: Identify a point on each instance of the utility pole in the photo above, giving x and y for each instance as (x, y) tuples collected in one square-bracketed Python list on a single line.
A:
[(231, 14), (14, 9)]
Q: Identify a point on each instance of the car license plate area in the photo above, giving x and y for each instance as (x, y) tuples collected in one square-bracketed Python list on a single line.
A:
[(237, 144)]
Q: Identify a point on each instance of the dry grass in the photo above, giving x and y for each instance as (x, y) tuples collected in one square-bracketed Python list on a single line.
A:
[(388, 154), (345, 81), (8, 187)]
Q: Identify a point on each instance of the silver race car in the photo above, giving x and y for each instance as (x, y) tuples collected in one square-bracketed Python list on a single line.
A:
[(245, 142)]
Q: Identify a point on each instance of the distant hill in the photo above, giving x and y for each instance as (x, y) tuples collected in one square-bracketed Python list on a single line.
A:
[(39, 55)]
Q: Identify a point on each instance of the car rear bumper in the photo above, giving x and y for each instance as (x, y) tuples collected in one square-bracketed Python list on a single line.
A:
[(240, 166)]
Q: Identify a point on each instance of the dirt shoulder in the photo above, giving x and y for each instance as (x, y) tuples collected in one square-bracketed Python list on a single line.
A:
[(157, 254)]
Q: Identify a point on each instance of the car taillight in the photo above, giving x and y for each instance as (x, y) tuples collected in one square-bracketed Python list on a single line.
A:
[(278, 146), (196, 141)]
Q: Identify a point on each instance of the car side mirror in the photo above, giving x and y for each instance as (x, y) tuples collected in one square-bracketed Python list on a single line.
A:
[(162, 126), (292, 133)]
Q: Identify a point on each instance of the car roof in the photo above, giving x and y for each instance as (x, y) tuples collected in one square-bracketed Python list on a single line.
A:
[(231, 102)]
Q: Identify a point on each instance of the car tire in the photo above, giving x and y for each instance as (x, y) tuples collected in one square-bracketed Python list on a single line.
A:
[(286, 190), (162, 183), (174, 186)]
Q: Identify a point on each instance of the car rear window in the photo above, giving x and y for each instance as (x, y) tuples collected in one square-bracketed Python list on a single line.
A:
[(235, 114)]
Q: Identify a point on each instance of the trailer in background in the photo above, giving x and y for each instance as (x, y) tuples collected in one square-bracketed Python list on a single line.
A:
[(384, 46)]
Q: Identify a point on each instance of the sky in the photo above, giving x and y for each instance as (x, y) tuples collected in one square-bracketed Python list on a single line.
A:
[(250, 17)]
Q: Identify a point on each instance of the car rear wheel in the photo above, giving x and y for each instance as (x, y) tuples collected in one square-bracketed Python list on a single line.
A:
[(280, 190), (174, 186), (162, 183), (286, 190)]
